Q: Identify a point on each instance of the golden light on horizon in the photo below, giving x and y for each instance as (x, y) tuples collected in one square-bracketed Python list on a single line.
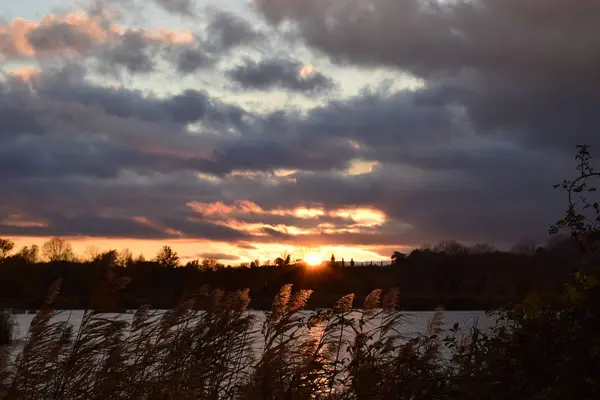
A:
[(313, 259)]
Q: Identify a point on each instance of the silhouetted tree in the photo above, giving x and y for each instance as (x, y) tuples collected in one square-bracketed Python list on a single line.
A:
[(482, 248), (124, 258), (58, 249), (450, 247), (525, 246), (30, 255), (167, 257), (108, 258), (209, 264), (284, 260), (91, 253), (397, 257), (6, 246)]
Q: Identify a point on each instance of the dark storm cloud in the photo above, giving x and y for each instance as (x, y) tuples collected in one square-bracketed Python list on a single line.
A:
[(270, 153), (81, 124), (508, 89), (524, 69), (75, 206), (528, 39), (436, 177), (218, 256), (88, 225), (133, 52), (246, 246), (96, 226), (227, 31), (189, 59), (278, 73), (60, 36)]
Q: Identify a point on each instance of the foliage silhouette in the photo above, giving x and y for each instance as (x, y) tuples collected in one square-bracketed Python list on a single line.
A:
[(167, 257), (58, 249), (6, 246)]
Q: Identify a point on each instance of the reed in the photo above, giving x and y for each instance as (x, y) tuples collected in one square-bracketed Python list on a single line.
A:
[(211, 347)]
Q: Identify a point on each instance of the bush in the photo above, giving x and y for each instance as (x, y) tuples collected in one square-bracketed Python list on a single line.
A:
[(7, 328)]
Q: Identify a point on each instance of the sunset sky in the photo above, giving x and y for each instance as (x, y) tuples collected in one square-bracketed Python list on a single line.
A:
[(240, 129)]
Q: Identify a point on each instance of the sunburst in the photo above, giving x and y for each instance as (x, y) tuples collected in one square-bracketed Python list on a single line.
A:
[(313, 259)]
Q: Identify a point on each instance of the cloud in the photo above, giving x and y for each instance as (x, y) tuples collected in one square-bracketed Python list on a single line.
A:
[(471, 153), (26, 74), (227, 31), (278, 73), (189, 60), (510, 64), (508, 37), (246, 246), (434, 179), (73, 33), (93, 36), (185, 7), (219, 256), (133, 53), (84, 225)]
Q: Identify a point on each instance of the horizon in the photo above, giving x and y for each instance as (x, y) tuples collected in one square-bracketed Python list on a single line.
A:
[(248, 128)]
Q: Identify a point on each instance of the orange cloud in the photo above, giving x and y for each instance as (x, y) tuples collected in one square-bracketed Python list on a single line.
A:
[(221, 209), (248, 207), (362, 216), (26, 74), (158, 227), (24, 38), (307, 70), (222, 214)]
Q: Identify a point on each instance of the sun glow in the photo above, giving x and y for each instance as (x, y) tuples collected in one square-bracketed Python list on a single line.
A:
[(313, 259)]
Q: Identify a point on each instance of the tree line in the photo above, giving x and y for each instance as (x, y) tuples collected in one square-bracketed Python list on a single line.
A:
[(448, 274)]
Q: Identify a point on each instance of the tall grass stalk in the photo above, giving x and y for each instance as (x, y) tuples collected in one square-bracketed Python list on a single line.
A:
[(209, 347)]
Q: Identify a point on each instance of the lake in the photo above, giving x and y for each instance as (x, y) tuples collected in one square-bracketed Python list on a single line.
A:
[(413, 324)]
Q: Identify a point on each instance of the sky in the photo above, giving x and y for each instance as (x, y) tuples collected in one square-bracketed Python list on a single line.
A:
[(243, 129)]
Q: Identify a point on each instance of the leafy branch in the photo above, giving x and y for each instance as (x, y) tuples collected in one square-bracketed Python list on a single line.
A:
[(582, 217)]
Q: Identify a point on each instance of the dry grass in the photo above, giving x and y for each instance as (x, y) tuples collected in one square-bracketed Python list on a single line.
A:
[(208, 348)]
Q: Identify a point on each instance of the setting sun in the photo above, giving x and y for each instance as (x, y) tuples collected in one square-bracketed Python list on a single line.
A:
[(313, 259)]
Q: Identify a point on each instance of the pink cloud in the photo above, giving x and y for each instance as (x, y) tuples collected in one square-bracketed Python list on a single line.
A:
[(146, 221), (76, 33), (26, 74)]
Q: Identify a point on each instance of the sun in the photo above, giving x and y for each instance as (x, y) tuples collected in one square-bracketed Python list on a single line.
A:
[(313, 259)]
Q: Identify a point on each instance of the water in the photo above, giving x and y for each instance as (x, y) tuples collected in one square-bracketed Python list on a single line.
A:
[(413, 324)]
